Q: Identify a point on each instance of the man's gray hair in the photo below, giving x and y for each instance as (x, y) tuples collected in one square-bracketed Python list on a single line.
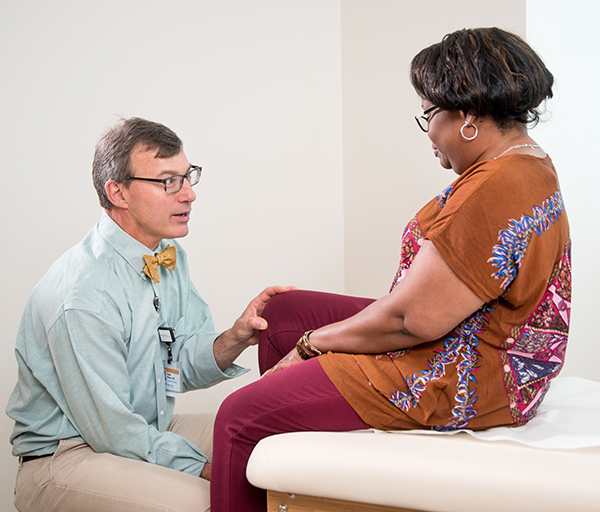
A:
[(113, 151)]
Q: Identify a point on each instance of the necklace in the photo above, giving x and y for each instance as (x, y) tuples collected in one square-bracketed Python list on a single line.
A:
[(532, 146)]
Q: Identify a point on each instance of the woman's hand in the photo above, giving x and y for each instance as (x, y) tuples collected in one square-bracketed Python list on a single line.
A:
[(206, 471), (290, 359)]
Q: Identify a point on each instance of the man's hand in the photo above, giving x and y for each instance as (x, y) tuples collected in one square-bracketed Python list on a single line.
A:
[(246, 327), (244, 332), (290, 359)]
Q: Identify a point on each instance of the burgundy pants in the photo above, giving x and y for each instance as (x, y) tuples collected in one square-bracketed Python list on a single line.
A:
[(300, 398)]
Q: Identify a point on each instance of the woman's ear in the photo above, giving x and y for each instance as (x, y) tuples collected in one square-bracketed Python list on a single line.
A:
[(470, 119), (114, 192)]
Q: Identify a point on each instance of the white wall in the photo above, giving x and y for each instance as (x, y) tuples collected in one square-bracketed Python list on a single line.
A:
[(566, 35), (254, 90)]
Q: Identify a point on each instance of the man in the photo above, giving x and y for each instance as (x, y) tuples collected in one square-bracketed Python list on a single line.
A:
[(111, 334)]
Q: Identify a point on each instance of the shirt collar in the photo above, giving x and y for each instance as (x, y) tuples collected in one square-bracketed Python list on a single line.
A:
[(124, 244)]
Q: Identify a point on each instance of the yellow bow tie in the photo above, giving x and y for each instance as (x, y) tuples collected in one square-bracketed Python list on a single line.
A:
[(167, 258)]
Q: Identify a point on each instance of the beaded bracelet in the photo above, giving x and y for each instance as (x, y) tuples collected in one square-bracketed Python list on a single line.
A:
[(305, 348)]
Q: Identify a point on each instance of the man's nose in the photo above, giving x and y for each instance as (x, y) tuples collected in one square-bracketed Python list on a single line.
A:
[(186, 193)]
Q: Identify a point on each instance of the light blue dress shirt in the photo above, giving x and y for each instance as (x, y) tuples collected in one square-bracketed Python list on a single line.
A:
[(90, 360)]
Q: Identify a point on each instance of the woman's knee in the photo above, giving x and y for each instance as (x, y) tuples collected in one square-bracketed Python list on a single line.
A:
[(305, 309), (282, 304)]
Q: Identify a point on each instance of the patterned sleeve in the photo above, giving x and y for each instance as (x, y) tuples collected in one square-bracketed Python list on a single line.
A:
[(500, 227)]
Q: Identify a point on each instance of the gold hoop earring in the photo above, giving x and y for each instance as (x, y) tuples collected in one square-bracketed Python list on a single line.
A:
[(463, 133)]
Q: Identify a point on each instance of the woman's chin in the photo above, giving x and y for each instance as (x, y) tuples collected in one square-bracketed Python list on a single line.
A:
[(445, 163)]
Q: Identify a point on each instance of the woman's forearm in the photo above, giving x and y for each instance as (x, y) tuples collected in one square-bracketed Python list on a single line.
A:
[(372, 331), (427, 304)]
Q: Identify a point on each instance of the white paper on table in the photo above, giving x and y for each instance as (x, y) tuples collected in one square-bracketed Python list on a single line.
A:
[(569, 417)]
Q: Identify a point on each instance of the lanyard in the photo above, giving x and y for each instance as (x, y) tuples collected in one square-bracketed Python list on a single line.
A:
[(165, 334)]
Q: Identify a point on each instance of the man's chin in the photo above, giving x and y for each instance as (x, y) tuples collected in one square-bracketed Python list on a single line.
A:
[(179, 232)]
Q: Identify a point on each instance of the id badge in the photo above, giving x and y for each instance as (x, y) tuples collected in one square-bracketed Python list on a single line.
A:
[(173, 384)]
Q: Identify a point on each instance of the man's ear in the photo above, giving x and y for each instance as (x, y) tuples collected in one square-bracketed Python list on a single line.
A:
[(114, 192)]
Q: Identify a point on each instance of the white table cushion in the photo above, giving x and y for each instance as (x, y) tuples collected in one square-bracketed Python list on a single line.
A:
[(552, 464)]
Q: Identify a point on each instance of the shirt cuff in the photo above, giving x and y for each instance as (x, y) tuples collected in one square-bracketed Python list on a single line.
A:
[(203, 370)]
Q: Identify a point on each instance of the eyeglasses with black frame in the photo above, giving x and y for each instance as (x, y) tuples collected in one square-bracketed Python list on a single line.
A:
[(174, 184), (423, 119)]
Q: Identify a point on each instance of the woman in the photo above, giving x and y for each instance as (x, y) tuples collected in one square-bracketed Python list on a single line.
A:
[(475, 325)]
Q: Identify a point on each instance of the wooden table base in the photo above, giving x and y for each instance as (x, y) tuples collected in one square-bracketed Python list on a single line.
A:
[(283, 502)]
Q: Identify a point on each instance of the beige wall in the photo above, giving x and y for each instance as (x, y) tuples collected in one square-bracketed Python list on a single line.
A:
[(389, 168), (292, 192)]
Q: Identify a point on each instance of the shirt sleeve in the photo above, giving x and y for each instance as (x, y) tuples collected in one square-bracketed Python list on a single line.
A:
[(194, 347), (90, 357), (490, 229), (464, 232)]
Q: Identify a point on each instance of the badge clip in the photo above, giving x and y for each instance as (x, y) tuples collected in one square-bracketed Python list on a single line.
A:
[(167, 335)]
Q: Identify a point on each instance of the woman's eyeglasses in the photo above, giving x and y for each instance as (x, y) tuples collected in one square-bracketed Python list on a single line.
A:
[(424, 118)]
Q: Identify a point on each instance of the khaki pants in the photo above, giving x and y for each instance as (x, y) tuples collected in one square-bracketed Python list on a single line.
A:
[(78, 479)]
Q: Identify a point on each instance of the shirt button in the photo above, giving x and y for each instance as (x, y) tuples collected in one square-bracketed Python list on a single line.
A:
[(158, 380), (162, 413)]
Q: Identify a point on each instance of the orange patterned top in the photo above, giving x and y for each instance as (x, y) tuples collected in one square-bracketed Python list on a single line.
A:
[(503, 229)]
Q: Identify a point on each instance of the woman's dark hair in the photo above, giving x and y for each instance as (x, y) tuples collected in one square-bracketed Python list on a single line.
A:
[(484, 71), (112, 155)]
